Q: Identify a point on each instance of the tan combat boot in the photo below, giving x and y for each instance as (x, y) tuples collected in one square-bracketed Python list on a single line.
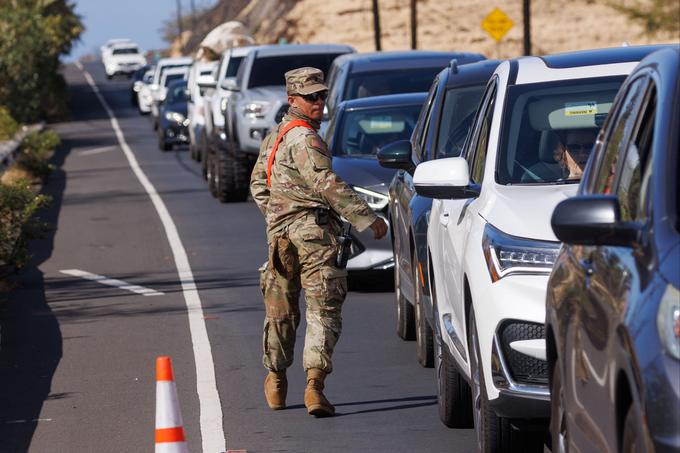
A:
[(275, 389), (315, 401)]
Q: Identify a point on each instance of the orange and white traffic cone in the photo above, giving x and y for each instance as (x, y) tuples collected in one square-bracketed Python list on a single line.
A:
[(169, 428)]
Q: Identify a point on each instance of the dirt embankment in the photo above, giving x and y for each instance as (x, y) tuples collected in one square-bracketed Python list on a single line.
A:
[(556, 25)]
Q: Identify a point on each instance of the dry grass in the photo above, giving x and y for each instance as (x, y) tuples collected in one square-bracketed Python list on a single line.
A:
[(557, 26), (15, 174)]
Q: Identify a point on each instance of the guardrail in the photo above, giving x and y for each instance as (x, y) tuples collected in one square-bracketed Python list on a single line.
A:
[(9, 149)]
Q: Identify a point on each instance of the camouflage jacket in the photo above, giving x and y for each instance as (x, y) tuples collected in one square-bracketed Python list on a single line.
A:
[(301, 180)]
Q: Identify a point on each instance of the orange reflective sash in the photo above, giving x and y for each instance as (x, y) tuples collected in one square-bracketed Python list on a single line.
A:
[(287, 127)]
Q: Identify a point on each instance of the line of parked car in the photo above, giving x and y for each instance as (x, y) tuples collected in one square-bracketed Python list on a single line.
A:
[(534, 216)]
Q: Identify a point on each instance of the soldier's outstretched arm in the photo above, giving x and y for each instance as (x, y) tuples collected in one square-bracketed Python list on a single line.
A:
[(314, 164), (258, 179)]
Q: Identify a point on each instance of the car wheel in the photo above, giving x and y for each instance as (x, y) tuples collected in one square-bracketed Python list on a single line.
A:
[(558, 413), (163, 145), (424, 346), (204, 153), (633, 431), (211, 175), (232, 184), (405, 315), (453, 392), (109, 77), (493, 432), (192, 150)]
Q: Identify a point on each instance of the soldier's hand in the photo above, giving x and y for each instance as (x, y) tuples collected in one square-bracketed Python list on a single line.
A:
[(379, 228)]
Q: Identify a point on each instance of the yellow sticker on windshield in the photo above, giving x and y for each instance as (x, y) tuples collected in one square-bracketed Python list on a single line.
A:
[(580, 108)]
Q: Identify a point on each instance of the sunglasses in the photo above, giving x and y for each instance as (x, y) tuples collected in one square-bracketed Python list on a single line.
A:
[(579, 148), (315, 96)]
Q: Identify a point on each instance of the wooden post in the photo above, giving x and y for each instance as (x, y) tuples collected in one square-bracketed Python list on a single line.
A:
[(414, 25), (527, 26), (376, 25), (179, 25)]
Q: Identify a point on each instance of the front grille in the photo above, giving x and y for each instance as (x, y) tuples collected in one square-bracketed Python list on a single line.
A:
[(523, 368), (282, 111)]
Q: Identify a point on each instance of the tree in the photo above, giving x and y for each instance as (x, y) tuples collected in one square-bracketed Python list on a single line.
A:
[(34, 34)]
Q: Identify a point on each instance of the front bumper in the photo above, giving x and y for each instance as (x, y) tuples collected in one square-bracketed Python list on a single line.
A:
[(175, 133)]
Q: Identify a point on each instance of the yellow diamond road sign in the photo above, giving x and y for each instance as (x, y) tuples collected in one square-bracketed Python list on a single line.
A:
[(497, 24)]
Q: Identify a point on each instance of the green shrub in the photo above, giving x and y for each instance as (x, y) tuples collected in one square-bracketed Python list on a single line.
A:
[(19, 224), (35, 152), (8, 127)]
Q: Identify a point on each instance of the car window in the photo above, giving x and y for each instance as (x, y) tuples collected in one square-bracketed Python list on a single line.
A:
[(550, 129), (177, 93), (269, 71), (363, 131), (125, 51), (233, 66), (379, 83), (460, 106), (335, 87), (634, 173), (426, 126), (615, 140), (477, 168), (419, 133), (172, 77)]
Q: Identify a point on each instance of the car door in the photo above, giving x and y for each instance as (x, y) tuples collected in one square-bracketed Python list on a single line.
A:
[(604, 278), (454, 220)]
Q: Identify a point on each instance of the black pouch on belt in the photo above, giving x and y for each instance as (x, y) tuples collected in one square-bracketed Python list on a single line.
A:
[(345, 248), (322, 216)]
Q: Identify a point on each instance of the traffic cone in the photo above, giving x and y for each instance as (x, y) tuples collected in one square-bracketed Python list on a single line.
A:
[(169, 428)]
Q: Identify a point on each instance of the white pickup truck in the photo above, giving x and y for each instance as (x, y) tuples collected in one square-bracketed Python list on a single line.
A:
[(122, 58)]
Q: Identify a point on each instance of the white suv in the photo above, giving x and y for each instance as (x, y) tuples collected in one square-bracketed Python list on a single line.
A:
[(122, 58), (490, 244)]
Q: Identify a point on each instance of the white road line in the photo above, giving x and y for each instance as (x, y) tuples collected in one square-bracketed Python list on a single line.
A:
[(212, 431), (101, 149), (112, 282)]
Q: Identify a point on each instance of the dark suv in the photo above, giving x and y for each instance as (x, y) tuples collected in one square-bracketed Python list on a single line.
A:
[(613, 299), (441, 130)]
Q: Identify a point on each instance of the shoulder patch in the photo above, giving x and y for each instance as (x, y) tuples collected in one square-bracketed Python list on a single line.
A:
[(313, 141)]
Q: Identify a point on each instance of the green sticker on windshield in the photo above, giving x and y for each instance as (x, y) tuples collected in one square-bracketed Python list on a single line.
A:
[(580, 108)]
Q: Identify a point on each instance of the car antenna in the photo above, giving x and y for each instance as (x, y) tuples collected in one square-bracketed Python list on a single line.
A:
[(453, 65)]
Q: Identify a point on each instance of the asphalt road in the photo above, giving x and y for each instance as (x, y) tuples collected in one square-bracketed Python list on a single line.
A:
[(77, 357)]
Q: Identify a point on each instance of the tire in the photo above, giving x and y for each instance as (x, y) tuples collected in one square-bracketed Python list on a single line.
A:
[(204, 152), (163, 145), (559, 432), (424, 344), (192, 150), (211, 177), (634, 437), (494, 433), (232, 177), (454, 398), (406, 322), (109, 77)]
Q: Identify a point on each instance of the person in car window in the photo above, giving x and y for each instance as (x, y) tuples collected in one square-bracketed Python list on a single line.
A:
[(572, 152)]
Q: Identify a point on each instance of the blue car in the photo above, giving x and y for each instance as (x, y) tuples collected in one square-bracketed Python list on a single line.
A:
[(358, 129), (613, 299)]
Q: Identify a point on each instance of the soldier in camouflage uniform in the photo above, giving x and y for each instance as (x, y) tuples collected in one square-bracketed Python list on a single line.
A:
[(302, 200)]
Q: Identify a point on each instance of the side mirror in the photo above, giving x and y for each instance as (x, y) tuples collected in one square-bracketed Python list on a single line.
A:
[(396, 155), (230, 84), (592, 220), (445, 179)]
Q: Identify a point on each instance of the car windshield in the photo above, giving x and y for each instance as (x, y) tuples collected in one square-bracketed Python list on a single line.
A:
[(551, 128), (269, 71), (362, 132), (177, 93), (163, 69), (125, 51), (411, 80), (458, 112), (172, 77)]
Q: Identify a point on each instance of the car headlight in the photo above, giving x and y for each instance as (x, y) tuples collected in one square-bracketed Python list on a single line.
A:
[(507, 254), (175, 117), (668, 321), (256, 109), (375, 200), (223, 104)]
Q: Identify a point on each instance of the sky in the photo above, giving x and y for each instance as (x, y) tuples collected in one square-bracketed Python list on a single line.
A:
[(138, 20)]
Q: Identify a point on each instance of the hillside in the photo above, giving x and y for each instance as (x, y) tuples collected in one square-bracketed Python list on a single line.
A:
[(442, 24)]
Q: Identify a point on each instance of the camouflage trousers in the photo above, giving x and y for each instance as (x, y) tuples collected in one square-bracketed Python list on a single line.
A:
[(302, 257)]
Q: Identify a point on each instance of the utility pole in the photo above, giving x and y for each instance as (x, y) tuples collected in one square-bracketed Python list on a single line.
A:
[(179, 25), (527, 26), (193, 18), (376, 25), (414, 25)]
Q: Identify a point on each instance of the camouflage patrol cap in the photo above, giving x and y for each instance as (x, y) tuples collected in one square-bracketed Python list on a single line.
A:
[(304, 81)]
